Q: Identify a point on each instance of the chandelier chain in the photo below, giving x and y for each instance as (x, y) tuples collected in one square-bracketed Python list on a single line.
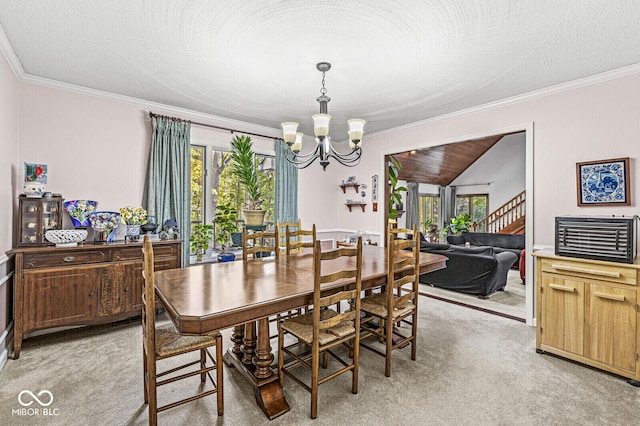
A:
[(323, 91)]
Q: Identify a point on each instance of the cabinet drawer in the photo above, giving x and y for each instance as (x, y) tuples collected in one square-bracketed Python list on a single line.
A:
[(593, 271), (56, 258), (135, 252)]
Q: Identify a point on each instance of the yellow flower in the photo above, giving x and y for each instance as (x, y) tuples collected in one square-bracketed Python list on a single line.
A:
[(133, 215)]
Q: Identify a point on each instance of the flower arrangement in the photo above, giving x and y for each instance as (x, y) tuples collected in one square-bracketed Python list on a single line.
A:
[(133, 215), (104, 220), (79, 211)]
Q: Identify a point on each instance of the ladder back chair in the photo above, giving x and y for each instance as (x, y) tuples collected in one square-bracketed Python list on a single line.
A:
[(294, 241), (324, 329), (161, 342), (282, 228), (398, 303), (263, 243)]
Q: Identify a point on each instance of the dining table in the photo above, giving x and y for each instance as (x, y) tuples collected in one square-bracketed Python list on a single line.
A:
[(207, 298)]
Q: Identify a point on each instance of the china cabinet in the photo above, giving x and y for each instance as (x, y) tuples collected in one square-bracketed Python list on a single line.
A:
[(35, 217)]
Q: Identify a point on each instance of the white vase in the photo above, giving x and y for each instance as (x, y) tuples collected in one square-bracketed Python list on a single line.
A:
[(33, 189)]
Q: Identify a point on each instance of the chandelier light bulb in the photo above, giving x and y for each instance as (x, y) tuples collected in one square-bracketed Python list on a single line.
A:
[(321, 124), (297, 145), (289, 129), (356, 130)]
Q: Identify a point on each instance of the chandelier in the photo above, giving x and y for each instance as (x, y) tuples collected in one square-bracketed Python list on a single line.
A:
[(323, 150)]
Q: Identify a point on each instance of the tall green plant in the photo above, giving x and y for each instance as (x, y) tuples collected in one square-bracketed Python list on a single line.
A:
[(243, 165), (225, 221), (395, 191), (200, 239)]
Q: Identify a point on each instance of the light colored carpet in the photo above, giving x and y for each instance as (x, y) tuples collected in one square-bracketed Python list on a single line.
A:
[(472, 369), (511, 301)]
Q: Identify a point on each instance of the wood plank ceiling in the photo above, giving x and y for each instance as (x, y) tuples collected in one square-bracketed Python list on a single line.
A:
[(442, 164)]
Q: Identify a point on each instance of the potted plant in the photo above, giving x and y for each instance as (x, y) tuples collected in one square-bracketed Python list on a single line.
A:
[(200, 239), (431, 229), (458, 224), (243, 165), (395, 191), (225, 222)]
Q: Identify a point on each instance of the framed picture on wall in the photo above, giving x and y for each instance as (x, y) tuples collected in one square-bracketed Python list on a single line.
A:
[(603, 183)]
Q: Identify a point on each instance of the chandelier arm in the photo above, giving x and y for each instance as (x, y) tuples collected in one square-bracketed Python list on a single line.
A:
[(344, 155), (349, 162), (300, 164), (310, 154)]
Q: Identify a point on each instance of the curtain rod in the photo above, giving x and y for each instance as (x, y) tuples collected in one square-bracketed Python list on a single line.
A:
[(195, 123)]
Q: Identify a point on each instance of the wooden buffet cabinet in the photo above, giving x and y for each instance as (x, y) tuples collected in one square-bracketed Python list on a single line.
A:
[(587, 311), (87, 284)]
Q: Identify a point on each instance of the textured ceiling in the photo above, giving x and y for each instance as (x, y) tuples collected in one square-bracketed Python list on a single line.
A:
[(394, 62)]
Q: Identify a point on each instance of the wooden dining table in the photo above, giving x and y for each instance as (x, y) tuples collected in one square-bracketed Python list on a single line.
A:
[(206, 298)]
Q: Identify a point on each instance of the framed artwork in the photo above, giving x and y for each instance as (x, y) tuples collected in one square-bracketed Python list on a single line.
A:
[(374, 192), (603, 183), (34, 172)]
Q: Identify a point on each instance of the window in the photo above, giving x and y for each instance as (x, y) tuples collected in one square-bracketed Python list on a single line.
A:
[(476, 206), (428, 208), (213, 183)]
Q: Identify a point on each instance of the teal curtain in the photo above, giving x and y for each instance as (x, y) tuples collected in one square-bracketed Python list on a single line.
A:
[(167, 189), (286, 194), (413, 199)]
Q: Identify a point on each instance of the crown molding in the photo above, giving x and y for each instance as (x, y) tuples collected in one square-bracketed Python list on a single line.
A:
[(18, 70), (8, 52), (540, 93), (155, 106)]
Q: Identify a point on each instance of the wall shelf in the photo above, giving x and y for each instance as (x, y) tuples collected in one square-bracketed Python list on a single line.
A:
[(356, 204), (344, 186)]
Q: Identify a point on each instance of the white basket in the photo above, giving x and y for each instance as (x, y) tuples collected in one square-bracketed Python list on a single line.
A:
[(66, 237)]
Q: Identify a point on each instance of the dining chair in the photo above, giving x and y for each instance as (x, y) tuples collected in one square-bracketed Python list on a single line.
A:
[(295, 243), (161, 342), (323, 329), (398, 303), (262, 244), (282, 228)]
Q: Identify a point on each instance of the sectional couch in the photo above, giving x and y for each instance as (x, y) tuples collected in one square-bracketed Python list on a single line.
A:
[(500, 242), (479, 271)]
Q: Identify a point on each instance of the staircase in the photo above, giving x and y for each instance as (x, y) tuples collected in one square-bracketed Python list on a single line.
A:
[(507, 219)]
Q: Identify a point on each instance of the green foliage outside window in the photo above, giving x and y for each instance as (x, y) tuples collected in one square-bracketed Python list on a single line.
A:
[(225, 188)]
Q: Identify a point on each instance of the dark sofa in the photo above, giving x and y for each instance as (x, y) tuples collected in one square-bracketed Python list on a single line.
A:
[(472, 270), (500, 242)]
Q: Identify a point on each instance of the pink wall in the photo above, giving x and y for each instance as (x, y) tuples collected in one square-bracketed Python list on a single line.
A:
[(10, 171), (594, 122), (9, 138), (95, 149)]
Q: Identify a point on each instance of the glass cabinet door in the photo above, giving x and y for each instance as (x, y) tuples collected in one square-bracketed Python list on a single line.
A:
[(30, 215), (36, 217)]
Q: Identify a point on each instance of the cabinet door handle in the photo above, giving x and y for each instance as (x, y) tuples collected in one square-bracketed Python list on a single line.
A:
[(69, 258), (126, 289), (616, 297), (562, 288), (613, 274), (92, 293)]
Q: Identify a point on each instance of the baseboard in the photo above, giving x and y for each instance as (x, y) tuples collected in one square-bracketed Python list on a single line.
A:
[(6, 343)]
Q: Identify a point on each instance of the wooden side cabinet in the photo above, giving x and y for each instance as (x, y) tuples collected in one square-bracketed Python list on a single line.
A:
[(88, 284), (588, 311)]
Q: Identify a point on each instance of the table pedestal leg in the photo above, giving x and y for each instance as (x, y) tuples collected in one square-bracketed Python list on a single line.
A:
[(265, 382), (249, 346)]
